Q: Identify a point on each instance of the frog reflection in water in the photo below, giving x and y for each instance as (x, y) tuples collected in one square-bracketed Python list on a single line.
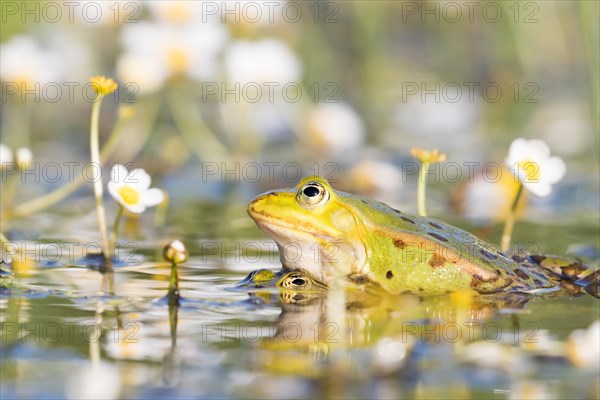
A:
[(324, 235)]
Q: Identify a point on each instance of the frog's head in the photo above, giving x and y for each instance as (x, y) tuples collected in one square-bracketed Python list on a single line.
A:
[(314, 227)]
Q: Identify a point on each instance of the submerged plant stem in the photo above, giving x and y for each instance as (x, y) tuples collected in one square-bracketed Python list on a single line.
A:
[(510, 221), (421, 189), (115, 229), (95, 159)]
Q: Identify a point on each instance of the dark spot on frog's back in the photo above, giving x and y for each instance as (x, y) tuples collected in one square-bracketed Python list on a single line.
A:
[(399, 243), (389, 275), (521, 274), (437, 226), (407, 219), (436, 261), (274, 194), (439, 237), (488, 254)]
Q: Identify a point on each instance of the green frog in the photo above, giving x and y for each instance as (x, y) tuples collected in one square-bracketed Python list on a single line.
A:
[(331, 236)]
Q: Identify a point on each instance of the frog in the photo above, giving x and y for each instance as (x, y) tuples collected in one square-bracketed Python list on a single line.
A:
[(331, 235)]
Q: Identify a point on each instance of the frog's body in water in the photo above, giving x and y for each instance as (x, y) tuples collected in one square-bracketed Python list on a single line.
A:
[(331, 235)]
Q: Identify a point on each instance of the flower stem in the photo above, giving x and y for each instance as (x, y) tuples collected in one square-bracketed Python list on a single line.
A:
[(421, 189), (115, 229), (47, 200), (510, 221), (3, 246), (95, 159)]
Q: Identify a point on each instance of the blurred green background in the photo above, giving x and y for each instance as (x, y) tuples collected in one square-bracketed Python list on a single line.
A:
[(262, 93)]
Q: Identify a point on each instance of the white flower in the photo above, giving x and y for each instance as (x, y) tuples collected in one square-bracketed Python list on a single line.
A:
[(23, 156), (335, 127), (154, 52), (25, 61), (530, 162), (179, 12), (57, 55), (266, 60), (6, 156), (130, 189)]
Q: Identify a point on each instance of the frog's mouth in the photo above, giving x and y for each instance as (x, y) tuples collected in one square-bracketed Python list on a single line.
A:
[(323, 254)]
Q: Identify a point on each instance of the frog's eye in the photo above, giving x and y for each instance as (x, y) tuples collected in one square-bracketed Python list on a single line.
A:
[(295, 282), (312, 194)]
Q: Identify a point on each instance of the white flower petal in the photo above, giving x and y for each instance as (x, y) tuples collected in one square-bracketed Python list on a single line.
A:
[(118, 173), (539, 148), (554, 170), (113, 189), (134, 208), (516, 152), (540, 189), (138, 179), (152, 197)]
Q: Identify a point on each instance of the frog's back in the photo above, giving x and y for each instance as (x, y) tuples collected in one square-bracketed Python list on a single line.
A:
[(413, 253)]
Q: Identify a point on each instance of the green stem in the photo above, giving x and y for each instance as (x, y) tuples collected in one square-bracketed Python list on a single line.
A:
[(115, 229), (194, 131), (421, 189), (510, 221), (8, 190), (3, 244), (95, 159), (57, 195)]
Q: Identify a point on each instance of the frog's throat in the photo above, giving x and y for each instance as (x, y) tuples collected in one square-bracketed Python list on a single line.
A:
[(318, 252)]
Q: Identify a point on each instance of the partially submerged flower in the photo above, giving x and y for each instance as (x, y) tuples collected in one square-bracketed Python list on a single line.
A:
[(531, 163), (428, 156), (103, 85), (131, 189), (175, 252)]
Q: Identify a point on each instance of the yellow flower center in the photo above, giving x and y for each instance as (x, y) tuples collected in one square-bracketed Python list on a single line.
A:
[(178, 61), (427, 156), (129, 195), (532, 170), (103, 85)]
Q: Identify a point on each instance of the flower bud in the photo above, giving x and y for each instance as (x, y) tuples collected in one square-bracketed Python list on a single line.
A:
[(175, 252)]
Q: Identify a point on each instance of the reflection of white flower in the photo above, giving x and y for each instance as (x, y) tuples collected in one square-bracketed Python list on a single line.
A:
[(95, 381), (335, 127), (584, 348), (267, 60), (155, 52), (6, 156), (131, 189), (530, 162)]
